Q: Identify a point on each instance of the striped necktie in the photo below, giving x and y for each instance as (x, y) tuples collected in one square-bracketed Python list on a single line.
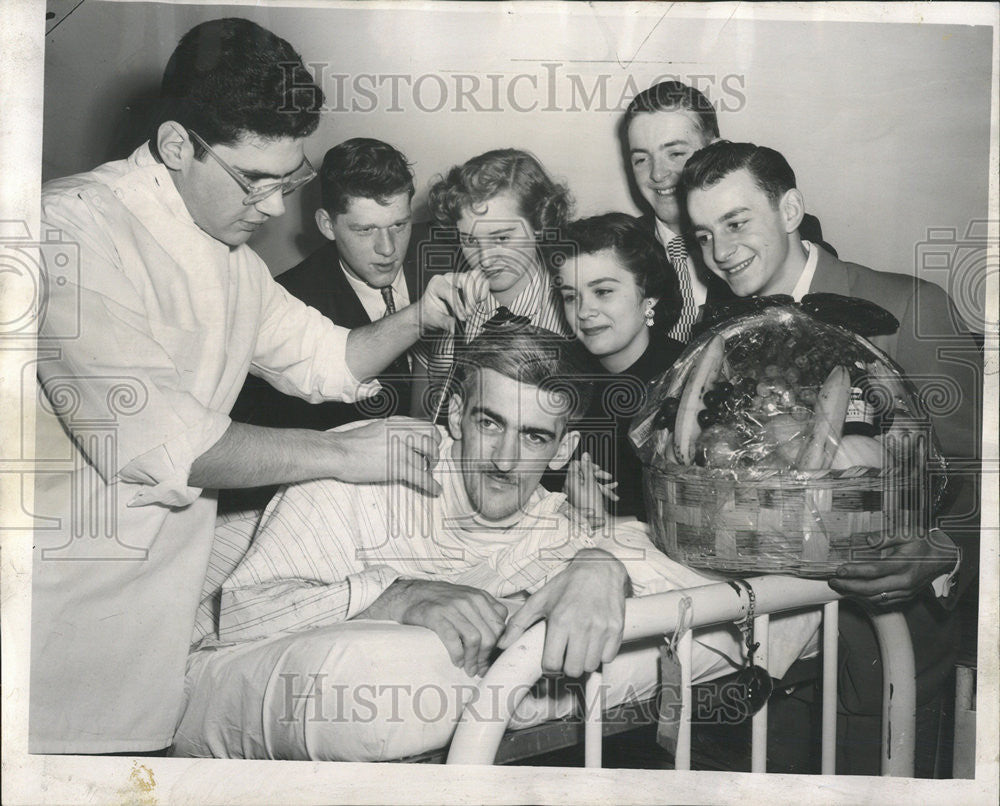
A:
[(390, 306), (677, 253)]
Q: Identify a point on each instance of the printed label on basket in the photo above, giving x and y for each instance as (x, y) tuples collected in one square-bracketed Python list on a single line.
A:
[(641, 433), (858, 410)]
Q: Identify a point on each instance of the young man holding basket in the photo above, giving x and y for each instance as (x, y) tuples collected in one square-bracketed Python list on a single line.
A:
[(744, 211)]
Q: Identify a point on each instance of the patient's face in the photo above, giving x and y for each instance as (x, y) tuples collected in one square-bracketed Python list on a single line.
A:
[(508, 433)]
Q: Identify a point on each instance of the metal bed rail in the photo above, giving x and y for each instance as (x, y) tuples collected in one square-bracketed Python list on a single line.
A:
[(519, 667)]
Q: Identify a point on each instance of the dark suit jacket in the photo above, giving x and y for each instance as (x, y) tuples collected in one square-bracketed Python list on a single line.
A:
[(936, 351)]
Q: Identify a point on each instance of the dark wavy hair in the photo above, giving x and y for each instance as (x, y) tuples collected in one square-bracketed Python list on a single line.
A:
[(543, 202), (530, 355), (230, 77), (364, 168), (673, 96), (639, 253), (710, 165)]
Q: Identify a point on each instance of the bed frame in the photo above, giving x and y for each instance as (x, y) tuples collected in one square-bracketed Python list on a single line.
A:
[(519, 667)]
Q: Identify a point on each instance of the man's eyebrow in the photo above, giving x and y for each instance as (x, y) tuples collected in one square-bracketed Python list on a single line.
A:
[(253, 175), (489, 413), (365, 225), (735, 212), (502, 230), (541, 432), (724, 217), (673, 143), (668, 144)]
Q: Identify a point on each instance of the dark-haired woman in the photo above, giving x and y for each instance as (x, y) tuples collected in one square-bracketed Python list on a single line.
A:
[(620, 296)]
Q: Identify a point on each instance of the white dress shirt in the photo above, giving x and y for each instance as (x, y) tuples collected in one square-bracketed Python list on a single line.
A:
[(371, 298), (804, 282)]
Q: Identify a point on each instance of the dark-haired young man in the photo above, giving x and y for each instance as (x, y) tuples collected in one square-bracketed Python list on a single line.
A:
[(357, 624), (365, 271), (746, 212), (149, 338), (662, 127)]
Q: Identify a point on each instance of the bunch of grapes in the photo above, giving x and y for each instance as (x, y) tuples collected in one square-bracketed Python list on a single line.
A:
[(789, 352)]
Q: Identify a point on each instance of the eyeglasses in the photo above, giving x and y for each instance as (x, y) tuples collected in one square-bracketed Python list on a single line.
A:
[(257, 193)]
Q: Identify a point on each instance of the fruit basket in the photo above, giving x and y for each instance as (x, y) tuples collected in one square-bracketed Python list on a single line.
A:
[(779, 443)]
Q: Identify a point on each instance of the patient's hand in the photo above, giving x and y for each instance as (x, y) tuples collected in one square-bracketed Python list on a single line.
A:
[(587, 487), (467, 620), (584, 606)]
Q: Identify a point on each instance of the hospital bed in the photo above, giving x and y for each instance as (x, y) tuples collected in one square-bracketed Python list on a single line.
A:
[(478, 741)]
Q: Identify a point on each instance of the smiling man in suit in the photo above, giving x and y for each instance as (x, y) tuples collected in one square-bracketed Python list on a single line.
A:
[(745, 215), (662, 127)]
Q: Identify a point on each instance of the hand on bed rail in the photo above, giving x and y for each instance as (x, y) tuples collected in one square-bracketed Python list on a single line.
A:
[(906, 570), (584, 610)]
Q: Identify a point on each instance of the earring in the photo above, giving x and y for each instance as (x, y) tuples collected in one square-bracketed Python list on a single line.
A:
[(649, 315)]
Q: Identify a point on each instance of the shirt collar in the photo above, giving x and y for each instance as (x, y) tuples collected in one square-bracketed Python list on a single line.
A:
[(527, 302), (524, 304), (153, 173), (398, 284), (808, 271), (663, 232)]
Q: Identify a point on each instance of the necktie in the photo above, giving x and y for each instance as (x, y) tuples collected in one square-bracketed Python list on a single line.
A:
[(677, 253), (390, 306)]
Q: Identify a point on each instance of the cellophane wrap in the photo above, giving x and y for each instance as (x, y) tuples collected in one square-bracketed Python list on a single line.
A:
[(749, 495)]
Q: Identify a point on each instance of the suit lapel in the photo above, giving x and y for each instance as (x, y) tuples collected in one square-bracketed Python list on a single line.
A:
[(415, 281), (348, 309), (831, 275)]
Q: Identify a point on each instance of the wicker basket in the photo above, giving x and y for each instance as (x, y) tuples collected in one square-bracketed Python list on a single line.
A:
[(762, 518), (799, 523)]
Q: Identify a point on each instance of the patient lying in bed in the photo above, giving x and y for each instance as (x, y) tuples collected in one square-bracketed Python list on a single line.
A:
[(359, 619)]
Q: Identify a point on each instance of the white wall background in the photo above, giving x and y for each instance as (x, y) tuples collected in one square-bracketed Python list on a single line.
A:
[(886, 125)]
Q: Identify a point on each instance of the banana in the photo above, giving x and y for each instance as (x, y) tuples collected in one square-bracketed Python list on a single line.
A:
[(703, 374), (828, 421)]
